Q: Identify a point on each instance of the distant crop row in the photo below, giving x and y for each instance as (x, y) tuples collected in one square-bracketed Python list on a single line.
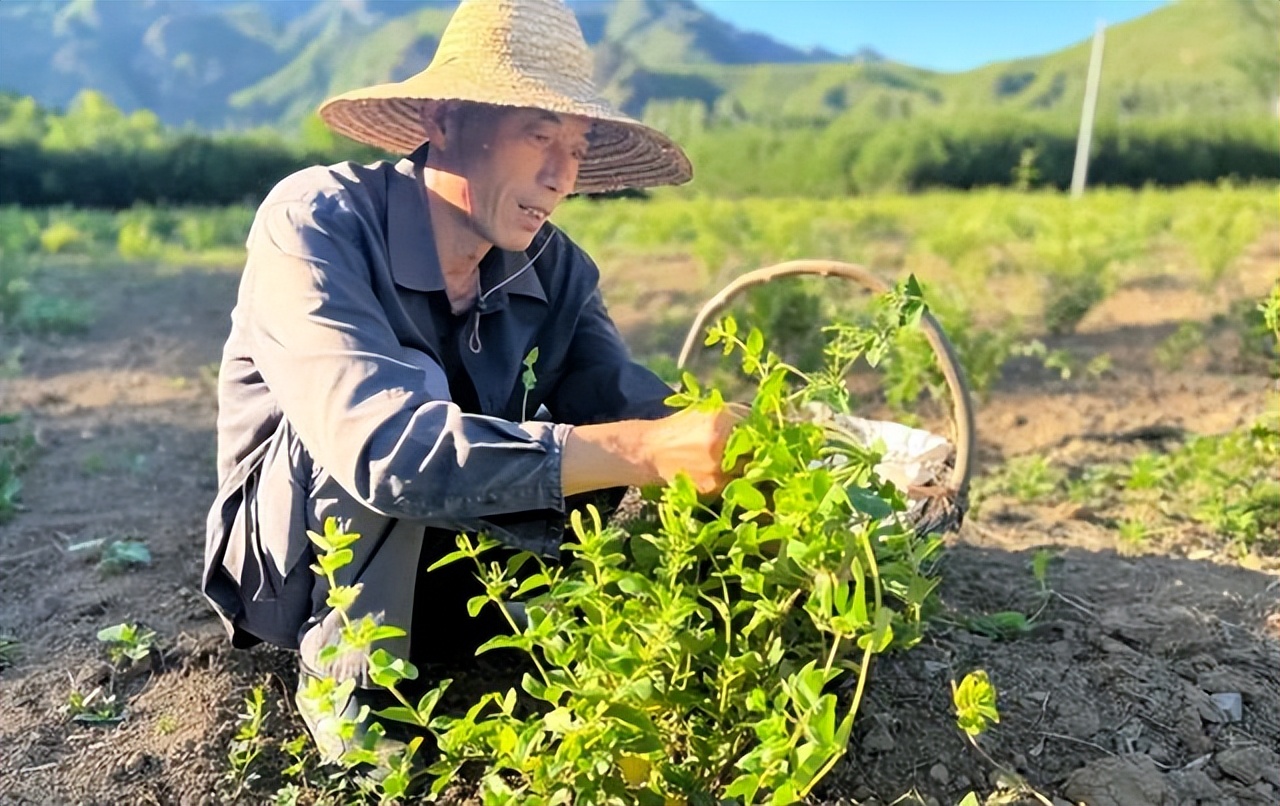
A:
[(975, 234), (95, 155)]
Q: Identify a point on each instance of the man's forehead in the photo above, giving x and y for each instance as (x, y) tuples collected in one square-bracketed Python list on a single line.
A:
[(585, 125)]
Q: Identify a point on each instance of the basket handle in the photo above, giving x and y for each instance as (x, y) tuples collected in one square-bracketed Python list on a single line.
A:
[(962, 405)]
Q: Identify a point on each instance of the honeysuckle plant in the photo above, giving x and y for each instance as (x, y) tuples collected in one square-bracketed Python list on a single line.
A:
[(718, 651)]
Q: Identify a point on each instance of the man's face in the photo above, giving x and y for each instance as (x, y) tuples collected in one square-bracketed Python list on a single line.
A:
[(518, 164)]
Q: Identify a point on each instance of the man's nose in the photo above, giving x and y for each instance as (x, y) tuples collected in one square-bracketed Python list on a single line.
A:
[(560, 171)]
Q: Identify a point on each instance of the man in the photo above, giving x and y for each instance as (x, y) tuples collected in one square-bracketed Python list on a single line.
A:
[(372, 373)]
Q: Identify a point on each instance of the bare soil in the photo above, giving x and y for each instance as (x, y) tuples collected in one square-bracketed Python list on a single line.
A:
[(1107, 701)]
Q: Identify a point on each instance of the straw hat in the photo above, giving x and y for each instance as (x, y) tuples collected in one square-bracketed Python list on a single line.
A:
[(520, 53)]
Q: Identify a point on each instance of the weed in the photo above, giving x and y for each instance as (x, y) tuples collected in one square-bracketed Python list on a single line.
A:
[(248, 742), (127, 642), (1099, 366), (1173, 352), (17, 446), (1258, 328), (95, 708), (11, 363), (1057, 361), (166, 725), (1029, 479), (9, 649), (1132, 532)]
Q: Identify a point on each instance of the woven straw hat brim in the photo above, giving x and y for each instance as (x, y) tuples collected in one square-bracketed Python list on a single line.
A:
[(624, 152)]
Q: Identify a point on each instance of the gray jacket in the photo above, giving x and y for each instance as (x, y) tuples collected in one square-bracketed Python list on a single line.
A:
[(336, 397)]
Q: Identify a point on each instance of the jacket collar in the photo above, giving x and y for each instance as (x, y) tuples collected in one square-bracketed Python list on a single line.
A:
[(415, 264)]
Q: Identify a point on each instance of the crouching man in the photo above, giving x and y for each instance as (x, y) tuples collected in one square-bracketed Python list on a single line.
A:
[(373, 369)]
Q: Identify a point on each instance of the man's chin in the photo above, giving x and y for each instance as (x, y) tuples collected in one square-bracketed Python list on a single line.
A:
[(515, 242)]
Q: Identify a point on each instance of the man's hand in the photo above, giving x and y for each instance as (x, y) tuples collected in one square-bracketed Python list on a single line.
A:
[(635, 453)]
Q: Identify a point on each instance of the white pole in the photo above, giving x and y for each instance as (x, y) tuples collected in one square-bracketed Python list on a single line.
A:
[(1086, 115)]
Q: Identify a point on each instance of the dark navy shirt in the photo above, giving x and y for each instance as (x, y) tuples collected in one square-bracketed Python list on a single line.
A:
[(348, 389)]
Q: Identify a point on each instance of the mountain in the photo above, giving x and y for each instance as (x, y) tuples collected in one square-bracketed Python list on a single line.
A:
[(240, 63)]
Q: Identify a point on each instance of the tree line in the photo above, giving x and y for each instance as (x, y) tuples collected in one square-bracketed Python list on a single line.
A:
[(95, 155)]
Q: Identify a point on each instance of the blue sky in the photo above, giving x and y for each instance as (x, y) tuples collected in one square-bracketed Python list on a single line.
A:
[(937, 34)]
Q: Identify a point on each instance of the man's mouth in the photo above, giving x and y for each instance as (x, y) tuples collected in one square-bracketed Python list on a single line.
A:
[(536, 213)]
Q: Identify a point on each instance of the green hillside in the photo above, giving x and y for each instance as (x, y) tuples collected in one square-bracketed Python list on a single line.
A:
[(244, 63), (1191, 58)]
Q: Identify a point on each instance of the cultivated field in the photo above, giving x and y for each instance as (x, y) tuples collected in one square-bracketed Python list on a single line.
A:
[(1117, 571)]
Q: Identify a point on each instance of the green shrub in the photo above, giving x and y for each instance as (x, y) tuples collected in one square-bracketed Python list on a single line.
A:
[(60, 237)]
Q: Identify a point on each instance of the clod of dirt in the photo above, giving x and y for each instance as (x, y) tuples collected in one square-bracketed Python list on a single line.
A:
[(1192, 786), (1130, 780), (1249, 764)]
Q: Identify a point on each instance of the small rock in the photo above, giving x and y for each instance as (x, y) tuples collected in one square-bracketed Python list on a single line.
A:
[(1222, 680), (1203, 705), (940, 773), (1231, 704), (1120, 781), (932, 667), (879, 740), (1265, 791), (1081, 722), (1057, 801), (1249, 764)]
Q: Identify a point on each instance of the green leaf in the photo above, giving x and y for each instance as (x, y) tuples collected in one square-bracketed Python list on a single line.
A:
[(879, 639), (386, 670), (866, 501), (975, 703), (342, 597), (742, 494)]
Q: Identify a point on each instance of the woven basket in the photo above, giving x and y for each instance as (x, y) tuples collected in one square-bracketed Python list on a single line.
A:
[(944, 505)]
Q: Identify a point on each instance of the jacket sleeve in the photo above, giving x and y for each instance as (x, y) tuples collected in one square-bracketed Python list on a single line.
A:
[(373, 413), (601, 382)]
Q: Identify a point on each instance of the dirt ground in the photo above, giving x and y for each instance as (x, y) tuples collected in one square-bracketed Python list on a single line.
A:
[(1107, 701)]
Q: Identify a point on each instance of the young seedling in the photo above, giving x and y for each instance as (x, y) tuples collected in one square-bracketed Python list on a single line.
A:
[(127, 642), (529, 380), (95, 708), (124, 555), (975, 703)]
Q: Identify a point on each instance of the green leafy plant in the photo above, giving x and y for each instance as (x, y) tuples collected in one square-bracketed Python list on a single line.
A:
[(127, 642), (695, 661), (697, 658)]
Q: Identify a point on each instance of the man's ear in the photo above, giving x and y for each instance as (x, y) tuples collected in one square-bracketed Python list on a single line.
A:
[(438, 122)]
